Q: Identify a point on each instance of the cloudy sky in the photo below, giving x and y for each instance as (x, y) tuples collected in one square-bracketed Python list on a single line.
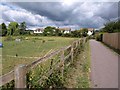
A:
[(60, 14)]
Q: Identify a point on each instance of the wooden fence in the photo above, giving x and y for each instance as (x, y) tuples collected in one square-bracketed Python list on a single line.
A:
[(112, 39), (19, 73)]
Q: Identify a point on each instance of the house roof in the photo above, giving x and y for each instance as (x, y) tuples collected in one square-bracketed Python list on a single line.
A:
[(64, 29), (90, 29), (41, 29)]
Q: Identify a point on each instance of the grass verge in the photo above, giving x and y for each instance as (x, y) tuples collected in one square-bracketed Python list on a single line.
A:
[(78, 74)]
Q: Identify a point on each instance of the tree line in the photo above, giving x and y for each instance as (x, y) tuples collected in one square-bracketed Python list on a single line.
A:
[(15, 29), (53, 31), (111, 27)]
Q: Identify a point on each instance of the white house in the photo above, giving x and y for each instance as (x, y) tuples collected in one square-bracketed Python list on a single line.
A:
[(90, 31), (39, 30), (63, 30)]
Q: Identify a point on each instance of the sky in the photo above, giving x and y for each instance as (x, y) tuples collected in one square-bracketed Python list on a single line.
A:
[(71, 14)]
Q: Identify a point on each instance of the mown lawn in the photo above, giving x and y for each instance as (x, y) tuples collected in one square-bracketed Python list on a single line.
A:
[(29, 49)]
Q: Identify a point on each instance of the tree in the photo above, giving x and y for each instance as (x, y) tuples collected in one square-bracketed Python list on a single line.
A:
[(13, 28), (49, 31), (111, 27), (16, 32), (0, 29), (76, 33), (3, 29), (79, 33), (58, 32), (22, 27), (84, 32)]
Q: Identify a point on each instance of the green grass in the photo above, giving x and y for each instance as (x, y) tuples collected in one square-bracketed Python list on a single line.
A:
[(78, 74), (83, 81), (31, 46)]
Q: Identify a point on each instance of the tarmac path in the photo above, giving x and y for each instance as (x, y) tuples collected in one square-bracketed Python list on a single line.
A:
[(104, 66)]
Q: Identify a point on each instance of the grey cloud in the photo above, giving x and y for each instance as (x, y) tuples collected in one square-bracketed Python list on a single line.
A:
[(108, 10), (90, 14), (52, 10)]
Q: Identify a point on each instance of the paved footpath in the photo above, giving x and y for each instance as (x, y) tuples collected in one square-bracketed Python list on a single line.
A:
[(104, 66)]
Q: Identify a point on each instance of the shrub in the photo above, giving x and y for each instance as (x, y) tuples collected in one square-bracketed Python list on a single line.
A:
[(55, 80), (91, 37), (67, 35), (43, 41), (99, 37)]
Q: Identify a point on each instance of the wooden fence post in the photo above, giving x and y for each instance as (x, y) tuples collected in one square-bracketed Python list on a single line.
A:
[(62, 62), (76, 43), (51, 63), (77, 46), (20, 76), (72, 51)]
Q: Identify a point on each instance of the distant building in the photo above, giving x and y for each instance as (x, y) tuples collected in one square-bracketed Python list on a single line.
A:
[(39, 30), (90, 31), (81, 28), (65, 30)]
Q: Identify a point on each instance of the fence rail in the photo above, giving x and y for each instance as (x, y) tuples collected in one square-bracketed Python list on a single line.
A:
[(19, 73), (6, 78)]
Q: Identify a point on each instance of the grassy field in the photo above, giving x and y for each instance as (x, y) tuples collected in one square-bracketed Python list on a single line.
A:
[(29, 49)]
